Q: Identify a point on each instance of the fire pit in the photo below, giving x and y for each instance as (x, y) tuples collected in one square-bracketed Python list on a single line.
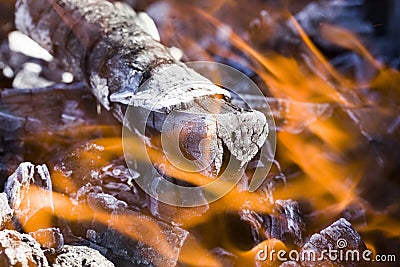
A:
[(116, 153)]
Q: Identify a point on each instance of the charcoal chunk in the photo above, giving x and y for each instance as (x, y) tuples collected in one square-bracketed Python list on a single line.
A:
[(79, 256), (82, 164), (284, 223), (173, 214), (6, 212), (125, 247), (106, 202), (118, 182), (289, 221), (26, 205), (338, 236), (136, 251), (49, 238), (20, 250)]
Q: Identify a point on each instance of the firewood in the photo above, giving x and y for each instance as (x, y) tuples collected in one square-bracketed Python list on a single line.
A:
[(108, 46)]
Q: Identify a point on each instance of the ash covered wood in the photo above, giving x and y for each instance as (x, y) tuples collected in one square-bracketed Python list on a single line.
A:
[(105, 45), (334, 246)]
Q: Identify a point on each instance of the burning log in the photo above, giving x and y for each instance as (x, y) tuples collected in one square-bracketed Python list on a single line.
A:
[(107, 46)]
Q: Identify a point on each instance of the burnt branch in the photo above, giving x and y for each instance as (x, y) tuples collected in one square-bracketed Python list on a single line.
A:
[(113, 49)]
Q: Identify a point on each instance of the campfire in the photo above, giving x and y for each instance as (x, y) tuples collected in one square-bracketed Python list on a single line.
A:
[(131, 134)]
